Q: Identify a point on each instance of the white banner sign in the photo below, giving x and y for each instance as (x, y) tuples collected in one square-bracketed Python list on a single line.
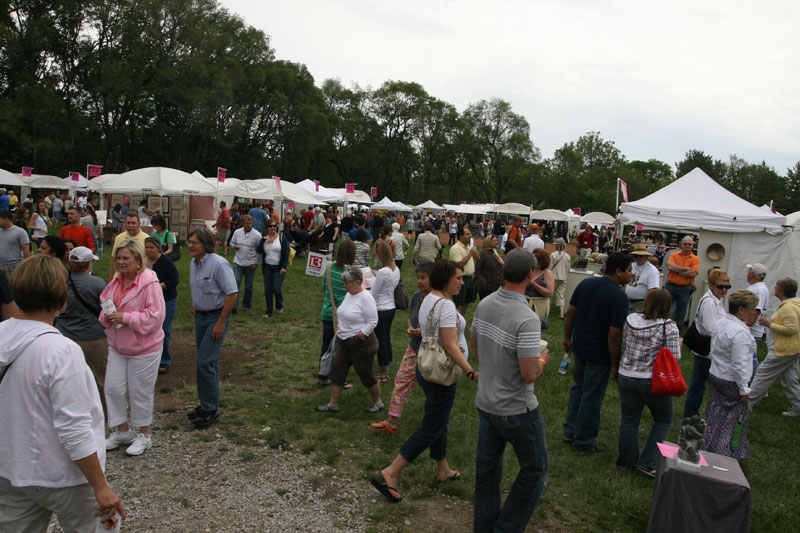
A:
[(316, 264)]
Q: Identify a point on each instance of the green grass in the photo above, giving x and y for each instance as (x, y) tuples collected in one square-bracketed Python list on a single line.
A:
[(585, 493)]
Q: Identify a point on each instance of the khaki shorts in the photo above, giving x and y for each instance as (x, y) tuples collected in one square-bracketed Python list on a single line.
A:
[(222, 234)]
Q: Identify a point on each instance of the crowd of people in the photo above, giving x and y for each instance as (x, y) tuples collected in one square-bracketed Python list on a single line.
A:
[(113, 339)]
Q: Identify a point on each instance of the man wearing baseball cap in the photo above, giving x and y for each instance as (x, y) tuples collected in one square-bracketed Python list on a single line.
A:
[(645, 278), (79, 320), (756, 274), (532, 240)]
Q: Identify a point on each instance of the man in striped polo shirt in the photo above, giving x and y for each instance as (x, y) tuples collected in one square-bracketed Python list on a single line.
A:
[(505, 339)]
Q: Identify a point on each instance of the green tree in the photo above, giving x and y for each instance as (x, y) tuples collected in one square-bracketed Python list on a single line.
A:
[(699, 159)]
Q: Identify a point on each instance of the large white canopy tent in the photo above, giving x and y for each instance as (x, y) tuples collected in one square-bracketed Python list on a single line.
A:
[(288, 191), (11, 180), (550, 215), (357, 197), (45, 181), (793, 218), (469, 209), (389, 205), (430, 204), (321, 193), (161, 181), (745, 232), (597, 218), (511, 208), (695, 201)]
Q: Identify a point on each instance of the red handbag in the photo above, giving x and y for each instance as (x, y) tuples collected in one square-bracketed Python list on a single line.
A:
[(667, 378)]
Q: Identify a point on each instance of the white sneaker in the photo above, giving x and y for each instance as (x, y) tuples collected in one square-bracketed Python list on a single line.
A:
[(116, 439), (791, 413), (140, 444)]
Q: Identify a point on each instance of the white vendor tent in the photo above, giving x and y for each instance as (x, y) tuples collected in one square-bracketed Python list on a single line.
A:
[(44, 181), (11, 180), (469, 209), (289, 192), (792, 219), (430, 204), (695, 201), (597, 218), (359, 197), (511, 208), (160, 181), (321, 193), (386, 204), (81, 184), (550, 215)]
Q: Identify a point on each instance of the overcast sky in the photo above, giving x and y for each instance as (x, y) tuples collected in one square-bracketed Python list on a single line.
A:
[(657, 78)]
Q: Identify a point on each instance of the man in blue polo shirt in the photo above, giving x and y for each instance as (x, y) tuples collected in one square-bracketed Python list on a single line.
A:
[(214, 293), (597, 312)]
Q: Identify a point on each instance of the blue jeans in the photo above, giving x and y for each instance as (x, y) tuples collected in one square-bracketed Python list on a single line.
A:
[(273, 285), (585, 400), (681, 295), (384, 333), (171, 307), (208, 359), (433, 432), (525, 432), (634, 394), (327, 337), (238, 273), (697, 387)]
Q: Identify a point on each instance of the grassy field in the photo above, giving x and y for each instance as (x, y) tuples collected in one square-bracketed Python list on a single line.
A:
[(585, 493)]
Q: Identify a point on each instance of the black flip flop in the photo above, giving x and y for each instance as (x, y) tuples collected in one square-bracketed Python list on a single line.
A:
[(384, 489), (163, 369)]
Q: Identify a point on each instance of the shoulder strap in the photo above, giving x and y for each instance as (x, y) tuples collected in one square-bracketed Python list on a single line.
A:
[(94, 310), (333, 299), (435, 334)]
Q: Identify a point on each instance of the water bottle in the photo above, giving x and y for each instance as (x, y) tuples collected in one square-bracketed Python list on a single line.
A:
[(562, 368)]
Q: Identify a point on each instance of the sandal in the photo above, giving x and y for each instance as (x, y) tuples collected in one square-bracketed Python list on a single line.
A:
[(383, 379), (163, 369), (383, 426), (348, 386), (456, 476), (328, 408), (374, 408)]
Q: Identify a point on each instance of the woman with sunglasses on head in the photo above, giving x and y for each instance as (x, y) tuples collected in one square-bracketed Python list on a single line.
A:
[(710, 310), (274, 250)]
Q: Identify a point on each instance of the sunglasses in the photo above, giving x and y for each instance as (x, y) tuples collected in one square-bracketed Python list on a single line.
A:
[(272, 226), (723, 287)]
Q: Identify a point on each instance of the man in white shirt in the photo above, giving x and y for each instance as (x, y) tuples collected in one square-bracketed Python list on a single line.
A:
[(244, 241), (756, 274), (645, 278), (532, 239)]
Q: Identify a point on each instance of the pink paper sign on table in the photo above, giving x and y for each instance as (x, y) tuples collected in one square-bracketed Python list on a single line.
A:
[(670, 450)]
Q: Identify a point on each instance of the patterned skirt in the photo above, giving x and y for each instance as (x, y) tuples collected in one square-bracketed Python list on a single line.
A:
[(724, 409)]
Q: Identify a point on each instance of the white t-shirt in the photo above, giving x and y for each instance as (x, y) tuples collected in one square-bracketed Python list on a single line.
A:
[(357, 313), (451, 318), (644, 278), (383, 289), (272, 252), (759, 289), (532, 242)]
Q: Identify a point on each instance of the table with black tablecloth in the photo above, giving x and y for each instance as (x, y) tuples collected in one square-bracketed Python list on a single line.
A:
[(717, 498)]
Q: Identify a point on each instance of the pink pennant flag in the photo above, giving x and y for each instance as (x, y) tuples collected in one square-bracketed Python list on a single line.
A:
[(316, 185), (576, 210), (95, 170), (76, 176), (277, 182), (221, 174), (462, 202), (27, 172), (374, 192), (349, 188), (291, 205), (624, 187)]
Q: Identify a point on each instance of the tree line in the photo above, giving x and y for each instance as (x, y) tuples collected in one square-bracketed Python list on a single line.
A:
[(186, 84)]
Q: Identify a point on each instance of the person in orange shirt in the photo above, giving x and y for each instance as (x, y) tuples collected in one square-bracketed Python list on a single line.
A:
[(73, 230), (515, 233), (682, 268)]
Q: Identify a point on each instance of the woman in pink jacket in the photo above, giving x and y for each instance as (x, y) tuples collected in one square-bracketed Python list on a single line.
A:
[(133, 312)]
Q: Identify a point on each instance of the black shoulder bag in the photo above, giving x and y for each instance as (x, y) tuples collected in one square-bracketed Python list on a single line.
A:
[(95, 310)]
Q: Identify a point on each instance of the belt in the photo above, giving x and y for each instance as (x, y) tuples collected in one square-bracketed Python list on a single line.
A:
[(211, 312)]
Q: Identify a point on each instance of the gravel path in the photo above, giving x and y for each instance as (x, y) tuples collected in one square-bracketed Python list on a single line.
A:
[(184, 483)]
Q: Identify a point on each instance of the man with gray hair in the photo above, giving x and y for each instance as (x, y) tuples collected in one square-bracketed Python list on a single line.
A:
[(756, 274), (505, 338), (214, 293)]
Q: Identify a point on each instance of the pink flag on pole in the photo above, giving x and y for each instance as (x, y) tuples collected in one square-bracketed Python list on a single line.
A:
[(576, 210), (462, 202), (277, 182), (349, 188), (95, 170), (27, 171), (291, 205), (316, 185), (221, 174), (76, 176), (624, 187), (373, 192)]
